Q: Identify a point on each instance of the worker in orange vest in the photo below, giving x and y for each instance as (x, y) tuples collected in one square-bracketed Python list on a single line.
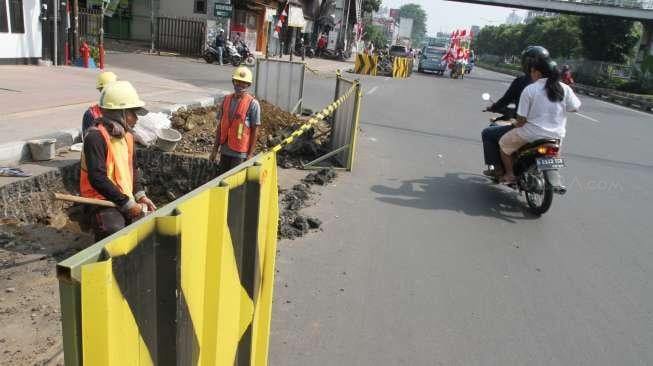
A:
[(235, 139), (94, 112), (108, 162)]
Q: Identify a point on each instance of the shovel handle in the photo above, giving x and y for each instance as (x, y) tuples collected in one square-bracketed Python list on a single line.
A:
[(88, 201)]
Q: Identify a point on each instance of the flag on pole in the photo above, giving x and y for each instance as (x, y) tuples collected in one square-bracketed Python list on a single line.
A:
[(282, 19)]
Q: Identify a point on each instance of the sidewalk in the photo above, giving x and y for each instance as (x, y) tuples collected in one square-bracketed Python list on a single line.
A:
[(36, 101)]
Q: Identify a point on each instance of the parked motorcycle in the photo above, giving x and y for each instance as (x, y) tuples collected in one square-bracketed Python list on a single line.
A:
[(246, 54), (299, 51), (536, 166), (337, 54), (230, 54)]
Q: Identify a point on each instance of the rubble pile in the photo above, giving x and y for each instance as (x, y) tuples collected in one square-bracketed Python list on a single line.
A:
[(198, 125), (292, 224)]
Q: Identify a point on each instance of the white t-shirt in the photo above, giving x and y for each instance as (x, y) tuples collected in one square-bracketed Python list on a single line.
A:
[(546, 119)]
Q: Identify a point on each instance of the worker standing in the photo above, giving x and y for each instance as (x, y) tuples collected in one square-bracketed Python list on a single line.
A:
[(108, 161), (94, 112), (239, 119)]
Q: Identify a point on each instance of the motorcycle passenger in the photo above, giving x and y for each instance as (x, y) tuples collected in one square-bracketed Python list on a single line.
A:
[(542, 112), (219, 45), (492, 134)]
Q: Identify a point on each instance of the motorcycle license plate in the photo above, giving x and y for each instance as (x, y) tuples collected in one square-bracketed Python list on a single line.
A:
[(549, 163)]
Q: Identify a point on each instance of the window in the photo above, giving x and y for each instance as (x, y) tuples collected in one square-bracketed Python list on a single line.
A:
[(16, 16), (200, 7), (4, 24)]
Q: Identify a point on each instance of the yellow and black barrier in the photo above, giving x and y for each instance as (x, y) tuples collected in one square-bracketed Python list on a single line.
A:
[(190, 284), (366, 64), (402, 67)]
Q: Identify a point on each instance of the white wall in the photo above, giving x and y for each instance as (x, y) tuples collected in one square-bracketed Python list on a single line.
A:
[(23, 45)]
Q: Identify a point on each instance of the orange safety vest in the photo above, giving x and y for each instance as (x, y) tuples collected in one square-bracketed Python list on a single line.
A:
[(121, 173), (234, 131), (96, 112)]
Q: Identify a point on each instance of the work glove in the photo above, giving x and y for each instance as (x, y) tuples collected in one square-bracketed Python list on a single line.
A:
[(132, 210)]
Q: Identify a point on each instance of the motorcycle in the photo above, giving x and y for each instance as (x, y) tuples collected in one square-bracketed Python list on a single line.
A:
[(230, 54), (246, 54), (299, 51), (337, 54), (536, 166)]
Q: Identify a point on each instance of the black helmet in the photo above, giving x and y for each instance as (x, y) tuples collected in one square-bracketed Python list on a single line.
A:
[(531, 54)]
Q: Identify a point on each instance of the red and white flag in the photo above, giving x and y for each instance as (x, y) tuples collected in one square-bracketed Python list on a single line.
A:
[(282, 19)]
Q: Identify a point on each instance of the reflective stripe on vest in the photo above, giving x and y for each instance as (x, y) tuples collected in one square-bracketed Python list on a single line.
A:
[(234, 131), (119, 165)]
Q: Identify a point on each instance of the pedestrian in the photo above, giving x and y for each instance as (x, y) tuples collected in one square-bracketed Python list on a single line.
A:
[(94, 112), (108, 162), (219, 45), (238, 120)]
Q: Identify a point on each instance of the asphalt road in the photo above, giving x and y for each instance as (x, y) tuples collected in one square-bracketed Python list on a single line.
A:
[(423, 262)]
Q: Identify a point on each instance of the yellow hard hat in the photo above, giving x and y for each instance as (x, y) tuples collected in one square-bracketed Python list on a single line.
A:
[(243, 74), (104, 79), (120, 95)]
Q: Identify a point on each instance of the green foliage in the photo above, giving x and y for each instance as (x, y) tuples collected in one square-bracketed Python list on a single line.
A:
[(558, 34), (95, 54), (647, 65), (415, 12), (608, 38), (640, 83), (375, 35), (370, 6)]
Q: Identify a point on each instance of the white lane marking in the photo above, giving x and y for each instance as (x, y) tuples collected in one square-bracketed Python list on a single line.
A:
[(372, 90), (505, 83), (587, 117), (622, 107)]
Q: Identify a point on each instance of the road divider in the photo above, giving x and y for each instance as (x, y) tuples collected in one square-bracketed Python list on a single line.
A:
[(366, 64), (402, 67)]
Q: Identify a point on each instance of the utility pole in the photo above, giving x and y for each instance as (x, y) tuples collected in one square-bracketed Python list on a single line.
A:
[(56, 33), (151, 26)]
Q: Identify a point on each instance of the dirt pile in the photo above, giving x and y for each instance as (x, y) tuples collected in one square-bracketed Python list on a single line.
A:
[(293, 224), (198, 128)]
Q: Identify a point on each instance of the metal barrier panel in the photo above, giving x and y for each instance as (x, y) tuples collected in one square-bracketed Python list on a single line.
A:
[(343, 128), (280, 83), (191, 284)]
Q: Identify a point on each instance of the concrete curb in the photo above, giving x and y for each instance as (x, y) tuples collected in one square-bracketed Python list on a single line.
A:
[(15, 152)]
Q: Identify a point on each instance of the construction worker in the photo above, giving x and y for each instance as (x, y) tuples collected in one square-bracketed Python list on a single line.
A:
[(93, 112), (239, 119), (108, 162)]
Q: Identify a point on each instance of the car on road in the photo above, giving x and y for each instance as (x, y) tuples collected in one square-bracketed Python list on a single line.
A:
[(431, 60), (399, 51)]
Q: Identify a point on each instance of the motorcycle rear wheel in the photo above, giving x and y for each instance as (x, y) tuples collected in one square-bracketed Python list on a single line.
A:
[(539, 204), (236, 60)]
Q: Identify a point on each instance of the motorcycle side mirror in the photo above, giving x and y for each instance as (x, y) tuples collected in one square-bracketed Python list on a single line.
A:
[(485, 96)]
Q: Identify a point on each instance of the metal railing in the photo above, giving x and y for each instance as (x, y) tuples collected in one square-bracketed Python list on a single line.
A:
[(183, 36)]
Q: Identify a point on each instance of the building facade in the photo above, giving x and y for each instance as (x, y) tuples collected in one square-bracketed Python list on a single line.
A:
[(20, 32)]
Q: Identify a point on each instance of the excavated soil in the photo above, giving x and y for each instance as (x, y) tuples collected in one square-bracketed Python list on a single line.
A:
[(36, 232), (292, 223), (198, 128)]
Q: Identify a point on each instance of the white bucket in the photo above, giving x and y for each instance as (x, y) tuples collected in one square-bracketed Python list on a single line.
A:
[(43, 149), (167, 139)]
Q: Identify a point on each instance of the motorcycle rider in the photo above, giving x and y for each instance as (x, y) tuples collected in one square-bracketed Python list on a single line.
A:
[(491, 135), (542, 112), (219, 45)]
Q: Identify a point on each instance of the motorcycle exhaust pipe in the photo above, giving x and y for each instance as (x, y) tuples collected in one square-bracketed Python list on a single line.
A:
[(553, 177)]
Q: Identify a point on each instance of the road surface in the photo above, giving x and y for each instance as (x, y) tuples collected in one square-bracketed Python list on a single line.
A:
[(423, 262)]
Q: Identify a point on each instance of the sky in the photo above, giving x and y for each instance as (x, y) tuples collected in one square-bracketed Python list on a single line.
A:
[(448, 15)]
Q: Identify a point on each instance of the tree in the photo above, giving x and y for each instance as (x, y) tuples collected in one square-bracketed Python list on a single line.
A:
[(418, 15), (607, 38), (375, 35), (370, 6), (559, 34)]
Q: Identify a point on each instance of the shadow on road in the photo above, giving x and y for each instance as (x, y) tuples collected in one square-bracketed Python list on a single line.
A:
[(470, 194), (481, 78)]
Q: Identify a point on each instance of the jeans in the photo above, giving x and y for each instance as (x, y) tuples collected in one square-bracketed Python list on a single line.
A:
[(220, 53), (228, 162), (491, 136)]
